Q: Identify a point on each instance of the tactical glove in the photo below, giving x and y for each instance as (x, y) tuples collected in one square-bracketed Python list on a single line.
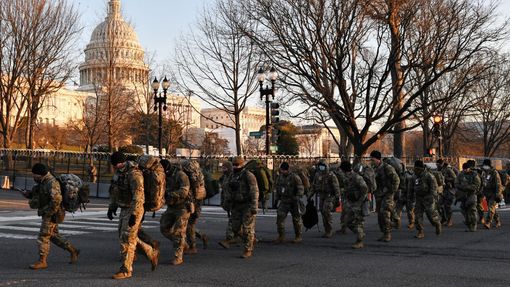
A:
[(132, 220), (111, 212)]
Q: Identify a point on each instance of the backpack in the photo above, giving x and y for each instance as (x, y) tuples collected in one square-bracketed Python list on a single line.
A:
[(212, 187), (305, 179), (504, 177), (399, 168), (154, 182), (196, 179), (368, 175), (74, 194), (439, 178), (263, 176), (310, 217)]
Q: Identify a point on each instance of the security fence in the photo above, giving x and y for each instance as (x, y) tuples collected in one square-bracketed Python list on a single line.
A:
[(95, 169)]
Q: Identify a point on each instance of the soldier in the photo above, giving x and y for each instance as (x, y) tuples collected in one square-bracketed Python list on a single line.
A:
[(387, 184), (192, 233), (355, 191), (226, 204), (505, 180), (340, 175), (424, 187), (325, 183), (289, 190), (407, 200), (479, 192), (467, 184), (492, 192), (242, 186), (448, 196), (46, 197), (175, 219), (128, 183)]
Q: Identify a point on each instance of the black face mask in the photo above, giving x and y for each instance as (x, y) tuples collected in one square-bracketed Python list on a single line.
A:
[(39, 180), (237, 168)]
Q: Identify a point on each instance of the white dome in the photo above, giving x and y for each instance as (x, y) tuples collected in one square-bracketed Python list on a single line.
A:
[(115, 42)]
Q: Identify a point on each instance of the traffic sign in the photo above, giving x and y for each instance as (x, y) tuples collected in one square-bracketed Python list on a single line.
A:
[(255, 134)]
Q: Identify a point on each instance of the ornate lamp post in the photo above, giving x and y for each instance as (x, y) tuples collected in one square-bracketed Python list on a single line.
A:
[(267, 91), (160, 106)]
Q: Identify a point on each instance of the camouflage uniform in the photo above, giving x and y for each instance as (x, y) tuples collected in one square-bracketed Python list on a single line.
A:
[(405, 199), (493, 195), (325, 183), (448, 195), (388, 183), (47, 198), (174, 220), (342, 181), (479, 197), (355, 191), (467, 185), (424, 187), (129, 196), (289, 190), (242, 187), (226, 202)]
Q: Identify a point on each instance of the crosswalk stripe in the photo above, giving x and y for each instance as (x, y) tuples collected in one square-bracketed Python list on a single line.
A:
[(65, 226), (17, 236), (116, 221), (35, 229)]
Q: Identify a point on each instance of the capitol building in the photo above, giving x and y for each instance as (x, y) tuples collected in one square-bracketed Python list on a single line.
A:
[(114, 58)]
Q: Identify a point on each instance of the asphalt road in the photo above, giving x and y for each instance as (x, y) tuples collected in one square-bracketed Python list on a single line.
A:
[(456, 258)]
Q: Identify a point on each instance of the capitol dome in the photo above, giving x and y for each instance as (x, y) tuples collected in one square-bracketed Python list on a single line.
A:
[(113, 49)]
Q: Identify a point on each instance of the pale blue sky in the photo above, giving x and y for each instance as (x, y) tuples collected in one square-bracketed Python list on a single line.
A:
[(158, 23)]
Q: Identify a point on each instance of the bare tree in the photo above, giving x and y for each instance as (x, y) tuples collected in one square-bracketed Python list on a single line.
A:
[(337, 57), (218, 62), (492, 111), (91, 126)]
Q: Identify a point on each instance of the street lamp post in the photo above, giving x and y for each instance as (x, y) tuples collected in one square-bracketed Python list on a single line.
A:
[(438, 122), (267, 91), (160, 106)]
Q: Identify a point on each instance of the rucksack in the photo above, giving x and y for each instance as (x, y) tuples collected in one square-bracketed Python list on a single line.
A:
[(196, 179), (305, 179), (212, 187), (310, 218), (399, 168), (154, 182), (74, 194), (263, 176), (439, 178), (368, 175), (503, 174)]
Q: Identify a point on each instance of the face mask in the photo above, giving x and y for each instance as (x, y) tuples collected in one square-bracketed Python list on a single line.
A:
[(322, 168), (486, 167)]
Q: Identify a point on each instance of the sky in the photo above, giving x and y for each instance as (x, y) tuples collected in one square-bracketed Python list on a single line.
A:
[(158, 23)]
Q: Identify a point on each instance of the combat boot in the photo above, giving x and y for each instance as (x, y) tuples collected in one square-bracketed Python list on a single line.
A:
[(155, 255), (247, 254), (498, 224), (342, 230), (397, 224), (358, 245), (385, 238), (74, 254), (205, 240), (410, 226), (177, 261), (298, 239), (328, 234), (438, 228), (420, 235), (122, 274), (41, 264), (450, 222), (225, 244), (487, 225), (280, 239)]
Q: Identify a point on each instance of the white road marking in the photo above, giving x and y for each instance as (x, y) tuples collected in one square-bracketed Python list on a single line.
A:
[(35, 229), (17, 236)]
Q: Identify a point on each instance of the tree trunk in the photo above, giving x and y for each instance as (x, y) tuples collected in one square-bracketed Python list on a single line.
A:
[(239, 150)]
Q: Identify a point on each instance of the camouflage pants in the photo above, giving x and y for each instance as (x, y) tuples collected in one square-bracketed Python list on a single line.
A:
[(326, 209), (468, 210), (191, 230), (384, 206), (479, 206), (283, 209), (401, 202), (426, 205), (49, 233), (243, 219), (445, 205), (355, 221), (173, 225), (128, 236), (492, 213)]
